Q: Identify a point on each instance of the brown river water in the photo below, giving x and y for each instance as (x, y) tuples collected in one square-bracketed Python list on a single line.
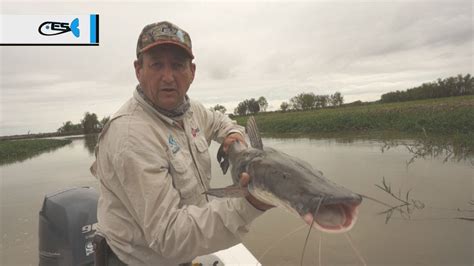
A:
[(429, 235)]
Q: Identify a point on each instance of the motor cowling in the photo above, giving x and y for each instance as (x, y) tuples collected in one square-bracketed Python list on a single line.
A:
[(67, 222)]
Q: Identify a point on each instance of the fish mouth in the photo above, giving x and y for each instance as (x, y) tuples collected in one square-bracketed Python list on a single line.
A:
[(334, 217)]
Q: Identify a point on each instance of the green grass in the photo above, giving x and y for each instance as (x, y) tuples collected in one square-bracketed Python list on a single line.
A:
[(453, 115), (20, 150)]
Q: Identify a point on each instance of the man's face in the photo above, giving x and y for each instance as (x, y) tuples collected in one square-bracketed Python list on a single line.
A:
[(165, 75)]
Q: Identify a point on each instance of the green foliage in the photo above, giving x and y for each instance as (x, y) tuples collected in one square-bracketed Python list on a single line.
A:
[(262, 102), (307, 101), (241, 109), (253, 106), (90, 123), (20, 150), (69, 127), (249, 106), (303, 101), (219, 108), (322, 101), (452, 86), (455, 147), (406, 205), (336, 99), (439, 116)]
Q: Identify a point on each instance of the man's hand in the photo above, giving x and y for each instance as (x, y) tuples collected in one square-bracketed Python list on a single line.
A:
[(244, 181), (244, 177), (231, 138)]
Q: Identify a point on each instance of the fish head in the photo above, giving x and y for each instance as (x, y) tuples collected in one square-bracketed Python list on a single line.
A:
[(285, 181), (334, 214), (233, 153)]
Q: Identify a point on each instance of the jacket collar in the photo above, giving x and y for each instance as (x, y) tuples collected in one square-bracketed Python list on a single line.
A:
[(172, 121)]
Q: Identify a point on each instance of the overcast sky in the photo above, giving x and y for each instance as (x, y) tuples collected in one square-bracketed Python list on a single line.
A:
[(243, 50)]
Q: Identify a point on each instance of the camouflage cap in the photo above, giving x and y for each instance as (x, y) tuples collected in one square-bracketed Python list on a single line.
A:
[(163, 32)]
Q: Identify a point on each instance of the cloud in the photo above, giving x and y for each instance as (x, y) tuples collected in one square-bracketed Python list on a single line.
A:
[(243, 50)]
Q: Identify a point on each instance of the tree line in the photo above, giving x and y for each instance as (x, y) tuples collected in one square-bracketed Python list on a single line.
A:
[(452, 86), (88, 124), (301, 102), (248, 106), (308, 101)]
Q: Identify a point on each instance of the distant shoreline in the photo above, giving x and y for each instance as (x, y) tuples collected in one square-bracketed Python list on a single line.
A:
[(440, 116), (450, 115), (20, 150), (40, 135)]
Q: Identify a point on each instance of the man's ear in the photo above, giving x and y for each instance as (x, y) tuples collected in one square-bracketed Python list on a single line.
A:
[(193, 71), (138, 68)]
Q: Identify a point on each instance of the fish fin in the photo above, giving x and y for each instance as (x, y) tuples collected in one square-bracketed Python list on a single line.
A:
[(254, 134), (228, 192), (223, 159)]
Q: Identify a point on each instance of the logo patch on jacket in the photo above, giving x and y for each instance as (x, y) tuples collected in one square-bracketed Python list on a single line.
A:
[(194, 131), (173, 144)]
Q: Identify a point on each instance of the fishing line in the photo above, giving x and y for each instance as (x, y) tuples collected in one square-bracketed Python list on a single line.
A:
[(306, 242), (319, 249), (309, 231), (279, 240), (351, 243)]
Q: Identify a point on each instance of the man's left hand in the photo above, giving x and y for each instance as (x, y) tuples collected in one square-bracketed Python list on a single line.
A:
[(231, 138)]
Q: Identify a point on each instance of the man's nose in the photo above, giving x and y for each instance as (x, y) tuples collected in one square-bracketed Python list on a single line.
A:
[(168, 75)]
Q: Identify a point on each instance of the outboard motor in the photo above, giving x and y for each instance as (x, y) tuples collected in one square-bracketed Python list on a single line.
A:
[(67, 224)]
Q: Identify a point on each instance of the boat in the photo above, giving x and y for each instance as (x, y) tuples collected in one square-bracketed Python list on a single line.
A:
[(67, 226)]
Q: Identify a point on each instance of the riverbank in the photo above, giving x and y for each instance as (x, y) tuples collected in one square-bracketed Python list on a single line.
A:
[(20, 150), (43, 135), (453, 115)]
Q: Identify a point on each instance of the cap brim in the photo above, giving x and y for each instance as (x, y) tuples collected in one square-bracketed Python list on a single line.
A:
[(161, 42)]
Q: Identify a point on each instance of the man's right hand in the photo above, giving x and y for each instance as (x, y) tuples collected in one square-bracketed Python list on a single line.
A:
[(244, 181)]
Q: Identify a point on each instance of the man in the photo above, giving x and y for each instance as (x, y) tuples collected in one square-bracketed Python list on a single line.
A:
[(153, 163)]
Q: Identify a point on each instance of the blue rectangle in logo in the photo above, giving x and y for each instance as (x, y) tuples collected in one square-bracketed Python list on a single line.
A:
[(94, 28)]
